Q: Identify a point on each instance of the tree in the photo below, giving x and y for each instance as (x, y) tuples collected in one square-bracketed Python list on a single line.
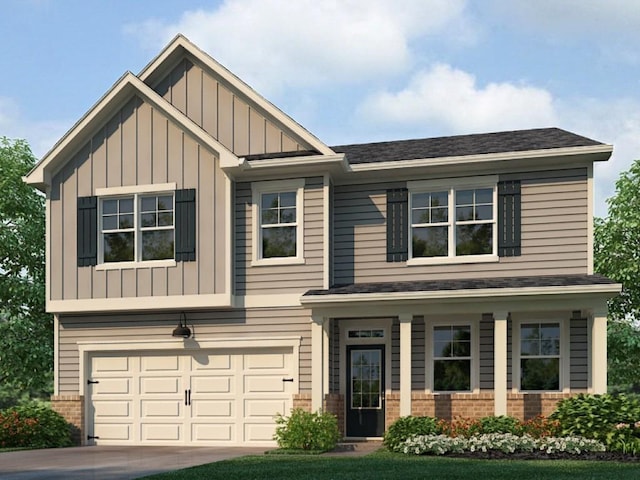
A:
[(617, 256), (26, 331)]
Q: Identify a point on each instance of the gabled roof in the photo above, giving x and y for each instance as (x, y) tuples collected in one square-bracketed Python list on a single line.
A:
[(176, 50), (464, 145), (122, 91)]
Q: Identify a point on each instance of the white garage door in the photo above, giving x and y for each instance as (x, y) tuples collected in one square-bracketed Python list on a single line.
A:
[(219, 397)]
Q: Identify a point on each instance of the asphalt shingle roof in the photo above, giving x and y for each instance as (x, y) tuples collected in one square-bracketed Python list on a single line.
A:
[(463, 145), (465, 284)]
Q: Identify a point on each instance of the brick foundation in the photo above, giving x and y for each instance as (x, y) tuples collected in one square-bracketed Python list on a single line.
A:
[(334, 403), (303, 401), (71, 407)]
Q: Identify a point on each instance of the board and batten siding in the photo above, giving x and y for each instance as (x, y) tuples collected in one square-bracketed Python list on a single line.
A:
[(223, 112), (554, 233), (295, 278), (255, 323), (138, 146)]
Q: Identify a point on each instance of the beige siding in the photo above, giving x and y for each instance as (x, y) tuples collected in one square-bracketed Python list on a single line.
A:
[(206, 325), (139, 146), (224, 113), (554, 233), (265, 279)]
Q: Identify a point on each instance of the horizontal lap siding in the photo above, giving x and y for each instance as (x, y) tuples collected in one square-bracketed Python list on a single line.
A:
[(554, 233), (258, 323), (223, 112), (138, 146), (267, 279), (579, 356)]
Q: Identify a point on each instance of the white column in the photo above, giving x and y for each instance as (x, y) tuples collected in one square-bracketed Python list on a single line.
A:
[(405, 364), (598, 332), (317, 357), (500, 362)]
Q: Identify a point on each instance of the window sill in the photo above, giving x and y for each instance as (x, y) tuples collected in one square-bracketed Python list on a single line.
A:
[(129, 265), (453, 260), (267, 262)]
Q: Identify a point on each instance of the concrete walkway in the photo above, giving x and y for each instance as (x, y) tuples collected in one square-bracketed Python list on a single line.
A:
[(123, 463), (110, 463)]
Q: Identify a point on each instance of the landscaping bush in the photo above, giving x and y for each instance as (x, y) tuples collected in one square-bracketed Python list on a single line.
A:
[(406, 427), (612, 419), (539, 427), (307, 431), (500, 424), (33, 425)]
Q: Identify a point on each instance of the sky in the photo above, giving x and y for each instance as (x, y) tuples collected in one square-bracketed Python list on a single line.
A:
[(350, 71)]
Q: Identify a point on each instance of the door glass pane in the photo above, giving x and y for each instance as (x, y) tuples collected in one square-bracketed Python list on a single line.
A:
[(365, 379)]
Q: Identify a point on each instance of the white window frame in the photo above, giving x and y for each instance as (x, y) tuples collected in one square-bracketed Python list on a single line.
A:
[(135, 191), (563, 364), (278, 186), (451, 186), (430, 358)]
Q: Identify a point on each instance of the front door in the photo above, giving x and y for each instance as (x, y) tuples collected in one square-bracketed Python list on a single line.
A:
[(365, 391)]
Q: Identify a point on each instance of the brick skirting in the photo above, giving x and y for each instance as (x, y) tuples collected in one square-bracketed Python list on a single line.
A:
[(71, 407)]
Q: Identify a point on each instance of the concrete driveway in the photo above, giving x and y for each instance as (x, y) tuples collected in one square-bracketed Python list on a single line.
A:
[(110, 463)]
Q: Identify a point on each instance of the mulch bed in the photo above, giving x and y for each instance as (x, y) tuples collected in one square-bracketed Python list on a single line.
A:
[(538, 455)]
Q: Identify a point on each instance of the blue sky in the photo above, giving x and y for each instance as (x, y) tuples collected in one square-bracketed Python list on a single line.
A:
[(350, 71)]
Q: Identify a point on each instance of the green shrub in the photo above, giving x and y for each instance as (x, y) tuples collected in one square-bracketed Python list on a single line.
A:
[(612, 419), (406, 427), (33, 425), (500, 424), (307, 431), (539, 427)]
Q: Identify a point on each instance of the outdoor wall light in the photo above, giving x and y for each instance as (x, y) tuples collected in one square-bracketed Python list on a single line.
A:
[(182, 330)]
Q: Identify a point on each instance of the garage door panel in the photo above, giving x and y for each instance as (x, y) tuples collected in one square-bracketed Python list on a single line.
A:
[(266, 360), (212, 408), (207, 432), (264, 384), (107, 432), (211, 384), (108, 409), (160, 385), (153, 432), (110, 364), (161, 363), (266, 409), (112, 386), (161, 408), (259, 432), (205, 362)]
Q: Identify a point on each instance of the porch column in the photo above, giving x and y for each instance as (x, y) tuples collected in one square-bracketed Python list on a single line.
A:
[(598, 331), (317, 357), (405, 364), (500, 362)]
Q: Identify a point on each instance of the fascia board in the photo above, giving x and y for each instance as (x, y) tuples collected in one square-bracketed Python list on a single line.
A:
[(608, 290), (121, 92), (596, 153), (180, 41)]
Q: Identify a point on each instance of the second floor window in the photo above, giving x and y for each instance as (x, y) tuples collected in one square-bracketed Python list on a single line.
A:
[(137, 228), (278, 223), (453, 222)]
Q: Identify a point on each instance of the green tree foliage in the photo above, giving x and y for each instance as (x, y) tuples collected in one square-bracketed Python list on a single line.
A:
[(617, 255), (26, 331)]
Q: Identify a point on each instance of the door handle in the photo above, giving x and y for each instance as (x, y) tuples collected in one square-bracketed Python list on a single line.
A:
[(189, 397), (186, 397)]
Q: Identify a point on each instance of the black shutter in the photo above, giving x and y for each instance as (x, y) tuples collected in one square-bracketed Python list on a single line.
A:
[(509, 218), (397, 225), (186, 225), (87, 231)]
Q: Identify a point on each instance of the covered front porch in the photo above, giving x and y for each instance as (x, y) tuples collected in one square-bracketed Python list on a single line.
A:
[(456, 348)]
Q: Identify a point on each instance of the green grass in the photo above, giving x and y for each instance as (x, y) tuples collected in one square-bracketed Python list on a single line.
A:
[(384, 465)]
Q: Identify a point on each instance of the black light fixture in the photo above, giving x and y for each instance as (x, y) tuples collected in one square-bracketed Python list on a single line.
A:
[(182, 330)]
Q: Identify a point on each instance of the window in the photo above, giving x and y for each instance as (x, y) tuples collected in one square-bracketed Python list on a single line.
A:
[(452, 358), (137, 227), (540, 356), (278, 211), (366, 333), (453, 222)]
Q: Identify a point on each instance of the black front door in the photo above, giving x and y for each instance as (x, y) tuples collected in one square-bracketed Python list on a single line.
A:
[(365, 391)]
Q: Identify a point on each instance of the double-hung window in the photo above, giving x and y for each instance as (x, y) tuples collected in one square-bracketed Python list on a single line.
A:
[(137, 228), (278, 224), (540, 356), (452, 354), (453, 221)]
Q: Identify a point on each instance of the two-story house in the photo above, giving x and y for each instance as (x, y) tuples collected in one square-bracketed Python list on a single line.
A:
[(211, 263)]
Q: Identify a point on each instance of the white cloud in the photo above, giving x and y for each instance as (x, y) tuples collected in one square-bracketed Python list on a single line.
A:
[(40, 135), (451, 100), (279, 43)]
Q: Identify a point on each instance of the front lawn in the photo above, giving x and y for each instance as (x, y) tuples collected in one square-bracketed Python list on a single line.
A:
[(384, 465)]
